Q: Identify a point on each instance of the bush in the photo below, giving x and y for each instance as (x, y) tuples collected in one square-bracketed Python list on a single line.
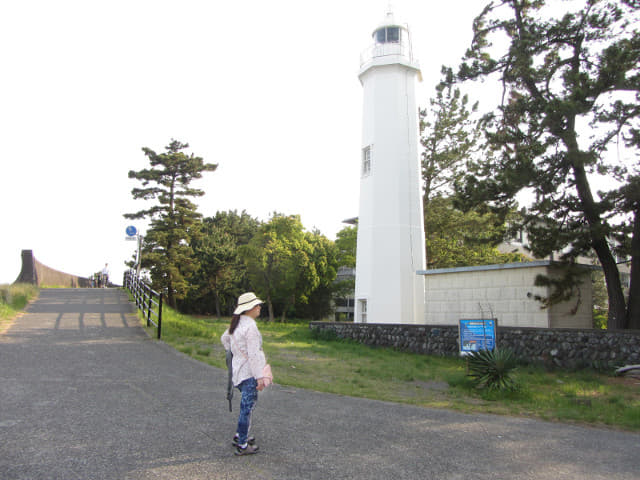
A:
[(324, 335), (492, 369), (600, 319)]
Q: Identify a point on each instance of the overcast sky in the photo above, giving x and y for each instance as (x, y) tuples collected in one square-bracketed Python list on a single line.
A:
[(268, 90)]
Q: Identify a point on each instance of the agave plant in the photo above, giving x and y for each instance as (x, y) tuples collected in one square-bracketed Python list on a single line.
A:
[(492, 369)]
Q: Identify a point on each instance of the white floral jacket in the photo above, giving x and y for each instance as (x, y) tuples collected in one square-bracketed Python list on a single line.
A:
[(246, 346)]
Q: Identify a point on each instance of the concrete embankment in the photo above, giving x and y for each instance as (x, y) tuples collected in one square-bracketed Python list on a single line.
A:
[(36, 273)]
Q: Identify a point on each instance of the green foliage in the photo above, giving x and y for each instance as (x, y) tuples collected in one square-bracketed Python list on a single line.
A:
[(563, 76), (344, 286), (448, 137), (324, 335), (492, 369), (285, 264), (346, 242), (14, 298), (324, 258), (600, 320), (222, 275), (455, 238), (167, 252), (216, 253), (17, 295)]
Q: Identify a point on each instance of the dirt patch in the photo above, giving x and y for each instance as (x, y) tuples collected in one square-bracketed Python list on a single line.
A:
[(425, 390), (628, 380), (433, 385)]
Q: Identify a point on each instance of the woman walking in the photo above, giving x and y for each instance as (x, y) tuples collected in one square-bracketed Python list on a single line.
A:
[(245, 342)]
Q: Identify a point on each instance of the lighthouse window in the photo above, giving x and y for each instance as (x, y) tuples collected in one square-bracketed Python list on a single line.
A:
[(366, 161), (388, 35), (393, 35), (363, 310)]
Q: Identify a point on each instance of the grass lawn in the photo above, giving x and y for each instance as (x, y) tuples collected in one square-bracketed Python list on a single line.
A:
[(301, 359)]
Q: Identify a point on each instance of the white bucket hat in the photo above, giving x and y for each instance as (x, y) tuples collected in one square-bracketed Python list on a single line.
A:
[(247, 301)]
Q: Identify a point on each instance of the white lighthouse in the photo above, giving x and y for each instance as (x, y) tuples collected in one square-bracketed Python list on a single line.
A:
[(391, 247)]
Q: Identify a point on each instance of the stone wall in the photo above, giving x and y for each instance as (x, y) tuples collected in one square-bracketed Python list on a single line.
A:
[(566, 348)]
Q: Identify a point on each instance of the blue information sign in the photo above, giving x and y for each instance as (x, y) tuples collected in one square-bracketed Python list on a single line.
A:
[(476, 335)]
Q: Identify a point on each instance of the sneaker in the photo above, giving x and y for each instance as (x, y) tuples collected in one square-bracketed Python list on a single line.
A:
[(236, 437), (246, 450)]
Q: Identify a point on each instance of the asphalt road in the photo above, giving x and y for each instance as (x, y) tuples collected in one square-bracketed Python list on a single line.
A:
[(85, 394)]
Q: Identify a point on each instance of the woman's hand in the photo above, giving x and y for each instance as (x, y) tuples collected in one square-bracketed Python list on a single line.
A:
[(260, 386)]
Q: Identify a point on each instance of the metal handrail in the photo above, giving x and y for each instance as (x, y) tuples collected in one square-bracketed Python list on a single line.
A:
[(385, 49), (145, 299)]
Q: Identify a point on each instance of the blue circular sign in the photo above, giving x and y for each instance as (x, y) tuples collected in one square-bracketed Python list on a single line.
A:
[(131, 231)]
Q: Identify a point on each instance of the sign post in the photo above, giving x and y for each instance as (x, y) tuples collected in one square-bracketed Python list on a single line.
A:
[(132, 234), (139, 256), (476, 335)]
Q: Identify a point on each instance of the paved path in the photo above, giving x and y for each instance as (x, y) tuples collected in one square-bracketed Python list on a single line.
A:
[(85, 394)]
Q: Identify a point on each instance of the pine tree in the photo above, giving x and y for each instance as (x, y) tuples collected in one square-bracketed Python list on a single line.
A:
[(167, 252), (450, 137), (571, 87)]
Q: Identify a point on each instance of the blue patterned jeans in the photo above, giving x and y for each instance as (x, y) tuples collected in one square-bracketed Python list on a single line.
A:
[(247, 404)]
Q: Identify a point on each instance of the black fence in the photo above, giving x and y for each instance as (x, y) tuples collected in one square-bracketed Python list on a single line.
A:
[(147, 300)]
